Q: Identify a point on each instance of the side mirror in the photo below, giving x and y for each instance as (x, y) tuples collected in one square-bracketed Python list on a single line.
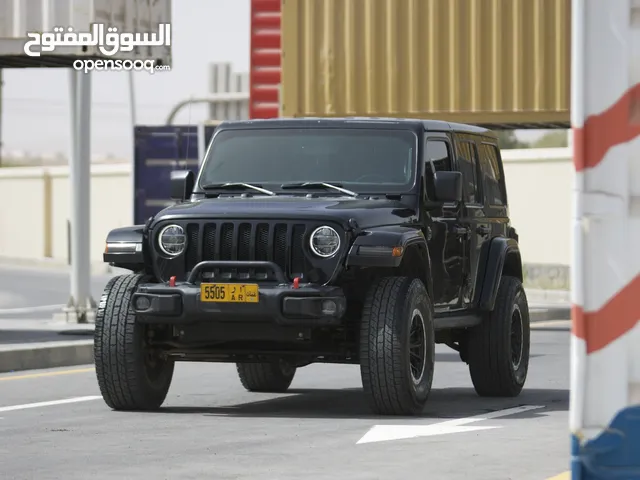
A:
[(181, 184), (448, 186)]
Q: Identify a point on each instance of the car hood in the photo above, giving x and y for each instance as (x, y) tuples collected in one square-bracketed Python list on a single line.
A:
[(368, 213)]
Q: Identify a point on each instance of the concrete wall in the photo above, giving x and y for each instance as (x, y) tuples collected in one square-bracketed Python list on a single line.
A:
[(539, 189), (35, 208), (35, 205)]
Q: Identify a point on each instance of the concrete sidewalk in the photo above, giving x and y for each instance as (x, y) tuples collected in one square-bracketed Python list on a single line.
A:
[(35, 344)]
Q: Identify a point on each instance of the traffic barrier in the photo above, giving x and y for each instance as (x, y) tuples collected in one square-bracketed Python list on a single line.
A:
[(605, 358)]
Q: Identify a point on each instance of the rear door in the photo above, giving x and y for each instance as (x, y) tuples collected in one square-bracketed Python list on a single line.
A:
[(472, 215), (493, 186)]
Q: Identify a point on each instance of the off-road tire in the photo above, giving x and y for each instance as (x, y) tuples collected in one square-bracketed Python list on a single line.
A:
[(493, 371), (126, 379), (265, 377), (387, 318)]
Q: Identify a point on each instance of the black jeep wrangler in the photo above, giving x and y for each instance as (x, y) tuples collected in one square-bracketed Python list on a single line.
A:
[(357, 240)]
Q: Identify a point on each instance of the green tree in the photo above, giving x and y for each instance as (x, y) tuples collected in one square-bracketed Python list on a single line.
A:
[(507, 139), (555, 139)]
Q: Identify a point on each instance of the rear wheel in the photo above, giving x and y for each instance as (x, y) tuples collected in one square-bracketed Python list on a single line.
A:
[(273, 377), (130, 375), (397, 346), (498, 348)]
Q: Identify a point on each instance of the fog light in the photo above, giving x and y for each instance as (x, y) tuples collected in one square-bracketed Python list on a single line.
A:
[(329, 307), (142, 303)]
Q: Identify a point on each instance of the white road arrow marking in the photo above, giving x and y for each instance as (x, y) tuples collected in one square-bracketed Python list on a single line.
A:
[(382, 433)]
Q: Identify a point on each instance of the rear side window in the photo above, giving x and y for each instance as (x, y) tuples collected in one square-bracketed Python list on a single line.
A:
[(490, 168), (467, 161)]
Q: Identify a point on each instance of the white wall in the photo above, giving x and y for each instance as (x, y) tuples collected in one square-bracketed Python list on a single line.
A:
[(35, 205), (539, 190)]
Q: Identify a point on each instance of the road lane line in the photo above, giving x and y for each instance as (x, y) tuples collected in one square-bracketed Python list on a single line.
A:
[(47, 374), (562, 476), (49, 404)]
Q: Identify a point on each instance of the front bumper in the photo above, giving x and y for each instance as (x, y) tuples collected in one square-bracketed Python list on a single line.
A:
[(279, 301)]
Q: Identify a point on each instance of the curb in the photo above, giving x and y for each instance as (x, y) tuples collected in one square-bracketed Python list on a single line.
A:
[(37, 356), (537, 295), (544, 314)]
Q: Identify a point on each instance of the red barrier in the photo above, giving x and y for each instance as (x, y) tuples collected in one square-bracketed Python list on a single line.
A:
[(266, 63)]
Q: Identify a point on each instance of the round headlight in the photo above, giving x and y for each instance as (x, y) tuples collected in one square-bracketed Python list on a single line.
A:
[(324, 242), (172, 240)]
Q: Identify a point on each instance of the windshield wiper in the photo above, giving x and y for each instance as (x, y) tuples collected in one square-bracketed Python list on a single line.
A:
[(236, 186), (327, 186)]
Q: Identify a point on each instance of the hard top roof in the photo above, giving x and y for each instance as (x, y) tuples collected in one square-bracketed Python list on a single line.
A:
[(429, 125)]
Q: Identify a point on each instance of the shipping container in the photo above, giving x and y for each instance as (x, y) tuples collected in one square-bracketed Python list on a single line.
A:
[(500, 63)]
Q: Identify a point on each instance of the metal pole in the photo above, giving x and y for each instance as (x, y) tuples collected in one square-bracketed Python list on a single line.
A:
[(132, 99), (80, 178), (1, 84), (73, 173)]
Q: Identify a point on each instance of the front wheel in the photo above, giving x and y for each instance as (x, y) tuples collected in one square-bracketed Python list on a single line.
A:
[(397, 346), (498, 348), (130, 376)]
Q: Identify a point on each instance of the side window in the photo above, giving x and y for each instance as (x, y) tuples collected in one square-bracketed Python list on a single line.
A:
[(437, 155), (490, 167), (467, 160)]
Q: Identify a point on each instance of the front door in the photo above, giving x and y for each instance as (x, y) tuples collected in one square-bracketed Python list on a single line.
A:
[(447, 237)]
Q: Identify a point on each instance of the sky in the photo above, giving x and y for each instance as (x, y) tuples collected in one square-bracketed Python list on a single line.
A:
[(35, 116)]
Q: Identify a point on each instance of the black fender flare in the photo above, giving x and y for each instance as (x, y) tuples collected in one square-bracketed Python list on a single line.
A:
[(125, 248), (374, 247), (490, 266)]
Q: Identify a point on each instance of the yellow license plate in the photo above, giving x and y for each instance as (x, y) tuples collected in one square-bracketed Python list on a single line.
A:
[(229, 292)]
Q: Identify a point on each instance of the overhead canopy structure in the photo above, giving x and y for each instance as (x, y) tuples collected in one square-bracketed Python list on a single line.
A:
[(41, 17), (45, 34)]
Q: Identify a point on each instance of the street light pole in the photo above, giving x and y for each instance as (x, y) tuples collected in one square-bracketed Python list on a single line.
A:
[(80, 302)]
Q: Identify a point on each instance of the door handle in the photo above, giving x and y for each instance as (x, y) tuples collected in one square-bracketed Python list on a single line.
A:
[(483, 230)]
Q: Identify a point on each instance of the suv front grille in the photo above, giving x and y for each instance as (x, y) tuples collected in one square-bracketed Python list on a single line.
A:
[(281, 243)]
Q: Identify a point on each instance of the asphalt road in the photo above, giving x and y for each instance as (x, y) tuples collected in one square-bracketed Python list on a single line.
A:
[(211, 428)]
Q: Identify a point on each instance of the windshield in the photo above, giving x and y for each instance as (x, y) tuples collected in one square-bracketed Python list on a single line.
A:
[(361, 160)]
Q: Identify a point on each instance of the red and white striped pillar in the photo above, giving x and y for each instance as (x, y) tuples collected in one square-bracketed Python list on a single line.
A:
[(605, 340)]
